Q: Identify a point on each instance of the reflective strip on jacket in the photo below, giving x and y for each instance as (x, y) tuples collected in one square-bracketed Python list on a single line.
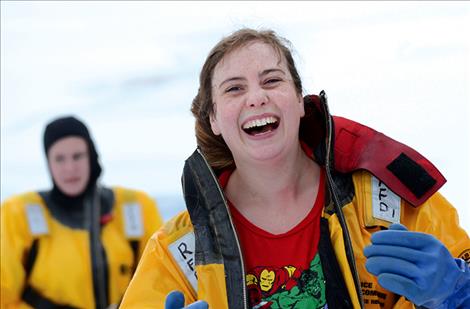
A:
[(62, 270)]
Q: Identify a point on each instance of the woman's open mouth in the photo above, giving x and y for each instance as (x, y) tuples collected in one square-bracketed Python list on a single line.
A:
[(261, 125)]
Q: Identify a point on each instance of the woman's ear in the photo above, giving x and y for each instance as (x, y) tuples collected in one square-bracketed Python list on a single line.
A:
[(214, 124)]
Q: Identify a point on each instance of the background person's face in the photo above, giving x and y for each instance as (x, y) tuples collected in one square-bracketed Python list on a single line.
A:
[(70, 165)]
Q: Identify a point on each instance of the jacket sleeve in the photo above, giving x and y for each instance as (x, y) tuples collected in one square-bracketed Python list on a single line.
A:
[(15, 241), (439, 218), (157, 273)]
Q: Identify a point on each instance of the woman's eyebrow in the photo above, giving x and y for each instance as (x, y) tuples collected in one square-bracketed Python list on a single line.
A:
[(267, 71), (263, 73)]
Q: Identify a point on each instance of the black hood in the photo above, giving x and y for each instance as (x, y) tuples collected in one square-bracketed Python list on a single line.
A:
[(66, 127)]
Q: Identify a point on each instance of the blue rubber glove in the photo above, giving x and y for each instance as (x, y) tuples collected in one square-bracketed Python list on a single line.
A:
[(419, 267), (175, 300)]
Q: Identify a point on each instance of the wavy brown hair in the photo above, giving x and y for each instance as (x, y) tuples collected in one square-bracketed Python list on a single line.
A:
[(213, 146)]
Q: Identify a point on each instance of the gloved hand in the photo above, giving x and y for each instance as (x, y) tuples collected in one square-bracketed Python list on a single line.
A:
[(419, 267), (175, 300)]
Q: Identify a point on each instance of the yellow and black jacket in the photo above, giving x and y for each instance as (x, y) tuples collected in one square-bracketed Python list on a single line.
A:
[(53, 257), (373, 181)]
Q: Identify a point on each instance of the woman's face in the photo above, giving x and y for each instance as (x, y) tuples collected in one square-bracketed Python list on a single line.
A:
[(70, 165), (257, 109)]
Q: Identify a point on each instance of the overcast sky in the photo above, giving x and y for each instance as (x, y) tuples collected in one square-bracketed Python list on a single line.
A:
[(130, 71)]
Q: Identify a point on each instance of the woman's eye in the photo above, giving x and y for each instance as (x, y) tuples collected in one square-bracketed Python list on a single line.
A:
[(272, 80), (233, 89)]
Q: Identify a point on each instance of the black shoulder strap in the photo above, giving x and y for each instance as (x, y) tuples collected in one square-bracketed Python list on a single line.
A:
[(31, 258), (33, 298), (30, 295), (134, 243)]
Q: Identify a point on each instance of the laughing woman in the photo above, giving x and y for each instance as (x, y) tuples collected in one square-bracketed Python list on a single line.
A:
[(289, 207)]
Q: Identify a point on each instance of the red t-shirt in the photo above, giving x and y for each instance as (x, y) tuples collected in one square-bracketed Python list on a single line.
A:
[(283, 270)]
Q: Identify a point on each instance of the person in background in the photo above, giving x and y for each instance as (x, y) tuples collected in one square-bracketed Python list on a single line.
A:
[(76, 245), (290, 207)]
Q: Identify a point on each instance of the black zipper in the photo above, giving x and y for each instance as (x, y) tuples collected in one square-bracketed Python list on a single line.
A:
[(334, 195), (98, 261)]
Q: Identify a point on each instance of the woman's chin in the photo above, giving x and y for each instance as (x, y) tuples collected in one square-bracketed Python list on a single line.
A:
[(264, 154)]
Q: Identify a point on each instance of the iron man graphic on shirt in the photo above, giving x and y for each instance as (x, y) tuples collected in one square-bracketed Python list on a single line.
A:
[(287, 287)]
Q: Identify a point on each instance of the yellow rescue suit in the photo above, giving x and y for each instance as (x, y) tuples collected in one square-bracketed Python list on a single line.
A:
[(61, 272)]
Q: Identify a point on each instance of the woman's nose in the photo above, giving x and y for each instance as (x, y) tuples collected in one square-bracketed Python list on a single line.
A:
[(257, 97)]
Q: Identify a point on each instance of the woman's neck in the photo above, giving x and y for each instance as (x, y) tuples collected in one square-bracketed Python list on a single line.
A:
[(276, 197), (273, 183)]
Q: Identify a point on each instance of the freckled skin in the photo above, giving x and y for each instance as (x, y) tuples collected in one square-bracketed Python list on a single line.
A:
[(253, 81)]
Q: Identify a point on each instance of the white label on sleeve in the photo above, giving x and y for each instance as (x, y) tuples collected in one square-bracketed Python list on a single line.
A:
[(386, 205), (36, 220), (133, 225), (183, 251)]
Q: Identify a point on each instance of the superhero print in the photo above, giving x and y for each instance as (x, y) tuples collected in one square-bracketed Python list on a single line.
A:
[(287, 287)]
